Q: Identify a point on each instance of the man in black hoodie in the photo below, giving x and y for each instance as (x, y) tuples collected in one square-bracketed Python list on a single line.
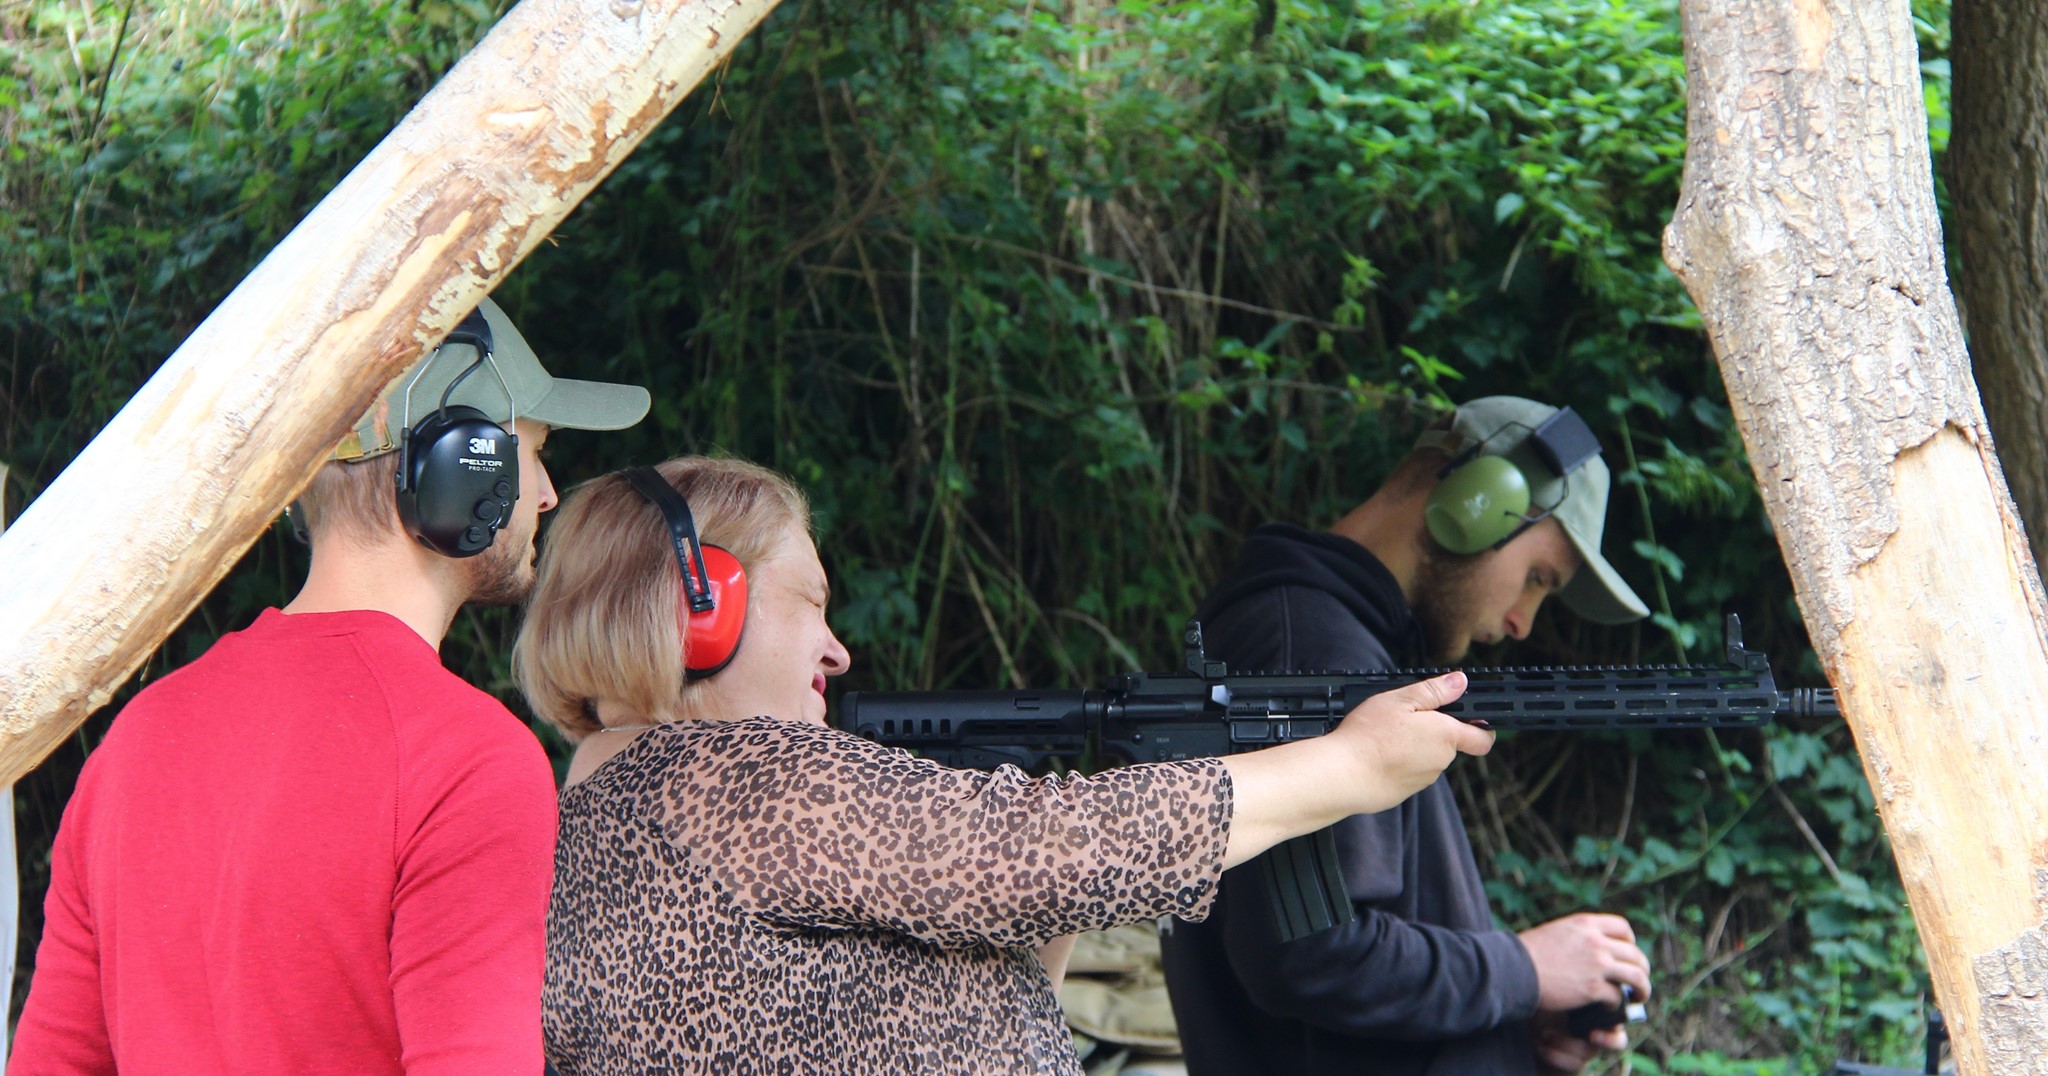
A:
[(1467, 537)]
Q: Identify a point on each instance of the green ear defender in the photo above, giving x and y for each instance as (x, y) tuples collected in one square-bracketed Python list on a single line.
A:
[(1478, 504), (1481, 501)]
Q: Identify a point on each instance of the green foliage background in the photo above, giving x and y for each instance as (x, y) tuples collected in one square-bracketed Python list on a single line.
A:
[(1047, 302)]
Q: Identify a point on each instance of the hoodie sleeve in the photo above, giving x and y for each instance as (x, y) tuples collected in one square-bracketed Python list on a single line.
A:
[(1381, 975)]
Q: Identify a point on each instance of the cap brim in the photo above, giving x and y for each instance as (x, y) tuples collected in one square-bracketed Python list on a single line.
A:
[(589, 405), (1596, 591)]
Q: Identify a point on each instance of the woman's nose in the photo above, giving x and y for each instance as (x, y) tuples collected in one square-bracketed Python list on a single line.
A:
[(837, 660)]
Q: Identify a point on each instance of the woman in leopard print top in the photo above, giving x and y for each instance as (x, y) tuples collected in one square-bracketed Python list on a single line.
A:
[(763, 894)]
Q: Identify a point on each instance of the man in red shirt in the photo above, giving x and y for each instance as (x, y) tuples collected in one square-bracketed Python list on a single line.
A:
[(315, 849)]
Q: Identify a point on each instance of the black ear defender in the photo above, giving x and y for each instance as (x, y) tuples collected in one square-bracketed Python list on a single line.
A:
[(712, 612), (1482, 502), (458, 471)]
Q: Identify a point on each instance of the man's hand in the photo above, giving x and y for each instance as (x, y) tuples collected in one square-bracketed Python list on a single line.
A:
[(1559, 1053), (1585, 958)]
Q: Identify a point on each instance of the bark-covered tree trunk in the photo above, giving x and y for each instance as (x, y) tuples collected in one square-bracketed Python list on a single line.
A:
[(1998, 191), (161, 504), (1807, 234)]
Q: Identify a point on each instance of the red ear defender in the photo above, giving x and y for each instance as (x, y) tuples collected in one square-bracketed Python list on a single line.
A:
[(713, 609), (713, 636)]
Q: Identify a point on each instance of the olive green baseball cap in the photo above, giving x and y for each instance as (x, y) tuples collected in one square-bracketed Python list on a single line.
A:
[(1502, 426), (520, 387)]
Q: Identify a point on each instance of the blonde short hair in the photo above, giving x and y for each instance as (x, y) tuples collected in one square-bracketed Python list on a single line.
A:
[(603, 622), (357, 498)]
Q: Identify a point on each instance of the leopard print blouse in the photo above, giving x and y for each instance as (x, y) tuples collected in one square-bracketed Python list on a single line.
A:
[(765, 896)]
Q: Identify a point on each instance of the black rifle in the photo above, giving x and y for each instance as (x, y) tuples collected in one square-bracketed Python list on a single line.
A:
[(1205, 710)]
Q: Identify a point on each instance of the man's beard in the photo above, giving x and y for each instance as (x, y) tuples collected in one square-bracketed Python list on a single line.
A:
[(503, 573), (1445, 595)]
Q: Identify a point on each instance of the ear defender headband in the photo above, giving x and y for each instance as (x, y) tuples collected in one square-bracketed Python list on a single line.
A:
[(458, 471), (714, 606), (1482, 502)]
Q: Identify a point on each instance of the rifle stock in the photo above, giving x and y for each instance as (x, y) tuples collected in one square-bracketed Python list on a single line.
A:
[(1204, 710)]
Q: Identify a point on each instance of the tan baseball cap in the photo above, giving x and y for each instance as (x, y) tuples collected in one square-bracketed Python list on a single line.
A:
[(1501, 426), (521, 387)]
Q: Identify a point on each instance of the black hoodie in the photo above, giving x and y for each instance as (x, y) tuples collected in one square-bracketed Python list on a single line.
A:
[(1421, 982)]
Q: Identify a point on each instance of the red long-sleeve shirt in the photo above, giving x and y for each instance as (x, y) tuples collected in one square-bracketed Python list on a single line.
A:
[(312, 850)]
